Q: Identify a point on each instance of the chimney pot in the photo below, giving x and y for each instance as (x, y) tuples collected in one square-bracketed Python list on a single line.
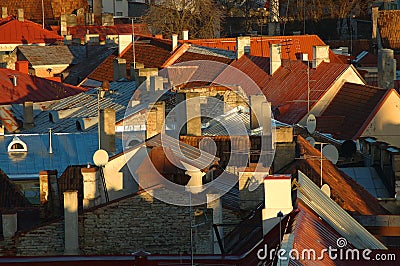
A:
[(242, 46), (185, 35), (22, 66), (21, 14), (174, 41), (4, 13)]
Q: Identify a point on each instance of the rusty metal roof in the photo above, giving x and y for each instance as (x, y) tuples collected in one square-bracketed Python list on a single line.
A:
[(351, 110)]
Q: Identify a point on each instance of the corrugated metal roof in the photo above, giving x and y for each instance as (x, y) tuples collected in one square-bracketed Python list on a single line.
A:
[(68, 149), (47, 55), (25, 32), (84, 105), (236, 121), (335, 216), (357, 105)]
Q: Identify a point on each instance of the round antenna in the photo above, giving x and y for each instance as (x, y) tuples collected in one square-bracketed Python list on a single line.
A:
[(311, 123), (311, 140), (326, 189), (331, 153), (100, 158)]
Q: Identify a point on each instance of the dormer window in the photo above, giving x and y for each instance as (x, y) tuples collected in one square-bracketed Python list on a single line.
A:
[(17, 145)]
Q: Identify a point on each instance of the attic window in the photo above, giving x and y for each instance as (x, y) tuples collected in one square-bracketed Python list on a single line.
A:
[(17, 145)]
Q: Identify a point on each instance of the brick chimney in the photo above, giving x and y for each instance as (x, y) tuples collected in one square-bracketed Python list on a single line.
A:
[(107, 129), (22, 66), (4, 13), (320, 54), (119, 68), (188, 114), (174, 41), (242, 46), (28, 115), (21, 14), (386, 68), (155, 119), (275, 60), (9, 224), (277, 198), (71, 240)]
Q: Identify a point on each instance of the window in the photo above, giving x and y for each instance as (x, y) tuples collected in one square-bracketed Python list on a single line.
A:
[(17, 145)]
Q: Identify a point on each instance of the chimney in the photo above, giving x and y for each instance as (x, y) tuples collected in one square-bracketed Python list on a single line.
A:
[(4, 13), (174, 41), (386, 68), (320, 54), (256, 103), (214, 202), (28, 115), (119, 68), (277, 198), (107, 129), (21, 14), (188, 113), (156, 85), (49, 193), (375, 15), (22, 66), (251, 189), (185, 35), (63, 25), (123, 42), (275, 58), (97, 7), (242, 46), (71, 244), (10, 224), (91, 195), (155, 119)]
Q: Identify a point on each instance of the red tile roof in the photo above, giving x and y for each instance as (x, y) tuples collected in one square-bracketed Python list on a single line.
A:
[(52, 8), (103, 31), (389, 23), (287, 88), (152, 53), (346, 192), (351, 110), (259, 46), (13, 31), (31, 88)]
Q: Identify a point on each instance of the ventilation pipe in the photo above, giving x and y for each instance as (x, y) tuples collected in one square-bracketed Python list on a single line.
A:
[(174, 41)]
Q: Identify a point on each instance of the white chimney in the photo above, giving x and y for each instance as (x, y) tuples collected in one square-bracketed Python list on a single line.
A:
[(91, 195), (277, 198), (21, 14), (320, 54), (242, 46), (71, 240), (123, 42), (275, 61), (174, 41), (4, 12), (185, 35), (386, 68), (9, 224)]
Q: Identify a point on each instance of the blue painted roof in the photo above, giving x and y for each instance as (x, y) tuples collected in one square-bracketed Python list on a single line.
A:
[(68, 149)]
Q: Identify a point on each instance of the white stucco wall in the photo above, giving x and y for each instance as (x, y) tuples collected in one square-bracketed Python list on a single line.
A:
[(385, 125)]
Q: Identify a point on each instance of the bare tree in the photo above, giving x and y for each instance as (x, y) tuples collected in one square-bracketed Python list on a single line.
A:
[(201, 18)]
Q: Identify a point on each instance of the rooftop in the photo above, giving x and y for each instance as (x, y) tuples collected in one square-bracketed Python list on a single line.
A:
[(47, 55), (388, 22)]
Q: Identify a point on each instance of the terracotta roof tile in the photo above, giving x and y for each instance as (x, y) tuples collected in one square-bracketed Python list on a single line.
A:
[(32, 88), (152, 54), (52, 8), (346, 192), (13, 31), (389, 23), (103, 31), (350, 110), (259, 46), (287, 88)]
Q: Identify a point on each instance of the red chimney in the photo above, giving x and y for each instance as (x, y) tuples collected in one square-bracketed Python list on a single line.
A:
[(22, 66)]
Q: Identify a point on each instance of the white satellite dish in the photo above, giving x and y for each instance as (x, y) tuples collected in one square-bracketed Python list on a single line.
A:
[(100, 158), (254, 183), (331, 153), (311, 140), (311, 123), (326, 189)]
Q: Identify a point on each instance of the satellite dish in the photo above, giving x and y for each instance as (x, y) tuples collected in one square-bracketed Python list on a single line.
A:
[(331, 153), (326, 189), (253, 184), (311, 123), (311, 140), (100, 158)]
